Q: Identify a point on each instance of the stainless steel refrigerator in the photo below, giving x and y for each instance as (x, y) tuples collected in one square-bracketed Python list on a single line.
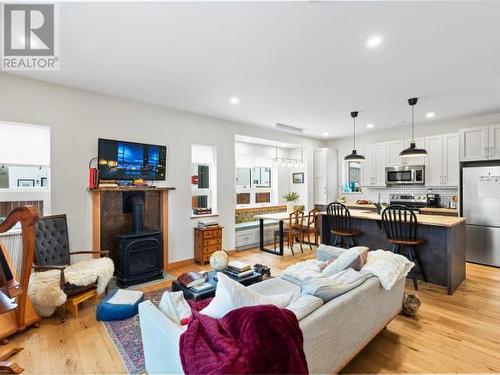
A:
[(480, 204)]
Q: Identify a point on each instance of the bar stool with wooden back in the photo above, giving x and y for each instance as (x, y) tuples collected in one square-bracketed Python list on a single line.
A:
[(400, 227), (293, 231), (339, 219), (311, 227)]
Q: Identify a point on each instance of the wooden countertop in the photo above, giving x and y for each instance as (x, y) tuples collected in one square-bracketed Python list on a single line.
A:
[(369, 206), (426, 210), (440, 210), (435, 220)]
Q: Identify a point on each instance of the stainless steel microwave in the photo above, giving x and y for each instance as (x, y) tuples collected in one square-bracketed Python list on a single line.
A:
[(405, 175)]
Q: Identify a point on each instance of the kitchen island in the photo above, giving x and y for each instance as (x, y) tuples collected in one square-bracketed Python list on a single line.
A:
[(442, 255)]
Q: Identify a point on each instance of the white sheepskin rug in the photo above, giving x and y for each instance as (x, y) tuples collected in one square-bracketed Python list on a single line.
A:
[(44, 287)]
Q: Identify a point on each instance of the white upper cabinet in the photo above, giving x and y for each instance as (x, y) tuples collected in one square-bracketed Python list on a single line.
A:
[(393, 149), (434, 165), (379, 164), (494, 142), (451, 164), (442, 166), (367, 166), (474, 143), (373, 168)]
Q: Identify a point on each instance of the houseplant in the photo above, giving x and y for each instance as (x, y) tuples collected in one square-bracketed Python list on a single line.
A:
[(291, 199)]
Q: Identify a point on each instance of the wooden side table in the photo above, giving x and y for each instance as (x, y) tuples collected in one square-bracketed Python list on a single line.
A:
[(206, 242)]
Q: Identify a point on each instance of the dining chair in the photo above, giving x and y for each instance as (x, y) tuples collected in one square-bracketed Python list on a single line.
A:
[(294, 230), (311, 227)]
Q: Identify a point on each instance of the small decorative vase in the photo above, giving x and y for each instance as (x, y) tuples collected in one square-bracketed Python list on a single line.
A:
[(290, 207)]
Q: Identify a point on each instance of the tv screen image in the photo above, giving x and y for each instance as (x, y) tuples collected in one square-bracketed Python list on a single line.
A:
[(121, 160)]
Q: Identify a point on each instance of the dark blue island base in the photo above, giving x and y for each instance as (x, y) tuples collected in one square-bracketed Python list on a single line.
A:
[(442, 255)]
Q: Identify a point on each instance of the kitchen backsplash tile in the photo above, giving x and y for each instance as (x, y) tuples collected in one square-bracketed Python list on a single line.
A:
[(372, 194)]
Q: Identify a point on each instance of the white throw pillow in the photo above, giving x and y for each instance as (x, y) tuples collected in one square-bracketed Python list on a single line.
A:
[(355, 257), (174, 306), (231, 295)]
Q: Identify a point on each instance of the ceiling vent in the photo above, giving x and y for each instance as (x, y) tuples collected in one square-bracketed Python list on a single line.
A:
[(289, 128)]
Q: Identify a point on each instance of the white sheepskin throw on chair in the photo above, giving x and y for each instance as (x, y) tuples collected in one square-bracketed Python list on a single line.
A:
[(44, 287)]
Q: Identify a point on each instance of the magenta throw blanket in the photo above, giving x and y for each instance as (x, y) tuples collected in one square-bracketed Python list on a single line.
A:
[(250, 340)]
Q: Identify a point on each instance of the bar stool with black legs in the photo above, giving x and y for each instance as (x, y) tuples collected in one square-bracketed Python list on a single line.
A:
[(400, 227), (339, 219)]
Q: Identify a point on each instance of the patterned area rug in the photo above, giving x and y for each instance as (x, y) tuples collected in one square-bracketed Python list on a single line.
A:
[(126, 335)]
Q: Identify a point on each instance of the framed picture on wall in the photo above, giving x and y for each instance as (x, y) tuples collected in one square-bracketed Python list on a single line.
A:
[(25, 183), (298, 178)]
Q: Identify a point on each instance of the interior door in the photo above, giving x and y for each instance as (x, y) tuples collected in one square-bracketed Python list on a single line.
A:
[(494, 141), (474, 143), (434, 165), (320, 177), (451, 165)]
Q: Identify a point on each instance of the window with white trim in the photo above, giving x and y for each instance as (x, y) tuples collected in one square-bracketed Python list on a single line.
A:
[(203, 179)]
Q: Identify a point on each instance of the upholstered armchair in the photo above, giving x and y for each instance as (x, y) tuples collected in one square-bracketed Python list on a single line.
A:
[(52, 251)]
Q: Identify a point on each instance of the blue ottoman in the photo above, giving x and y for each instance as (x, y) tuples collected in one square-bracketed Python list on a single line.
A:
[(108, 311)]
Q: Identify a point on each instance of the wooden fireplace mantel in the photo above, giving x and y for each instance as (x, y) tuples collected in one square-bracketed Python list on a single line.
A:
[(101, 210), (133, 188)]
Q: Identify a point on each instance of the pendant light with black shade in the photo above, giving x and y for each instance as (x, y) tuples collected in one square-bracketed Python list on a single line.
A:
[(413, 151), (354, 156)]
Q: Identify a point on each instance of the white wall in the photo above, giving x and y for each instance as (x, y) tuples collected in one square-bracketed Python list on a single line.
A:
[(35, 143), (77, 118)]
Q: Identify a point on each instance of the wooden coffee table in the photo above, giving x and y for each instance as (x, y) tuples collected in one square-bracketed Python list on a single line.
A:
[(211, 278)]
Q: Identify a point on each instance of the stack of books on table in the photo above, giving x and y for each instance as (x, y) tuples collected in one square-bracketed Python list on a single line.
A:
[(238, 270), (194, 281), (208, 224)]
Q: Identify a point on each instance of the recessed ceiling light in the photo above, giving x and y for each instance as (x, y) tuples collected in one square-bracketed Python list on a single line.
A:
[(369, 126), (430, 114), (234, 100), (374, 41), (325, 134)]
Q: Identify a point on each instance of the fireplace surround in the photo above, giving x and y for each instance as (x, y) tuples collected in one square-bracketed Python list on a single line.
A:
[(137, 239)]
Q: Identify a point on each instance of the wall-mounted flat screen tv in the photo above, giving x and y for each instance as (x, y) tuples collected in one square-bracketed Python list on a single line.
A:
[(121, 160)]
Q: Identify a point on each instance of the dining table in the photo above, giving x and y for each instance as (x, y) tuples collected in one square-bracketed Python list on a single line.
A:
[(280, 218)]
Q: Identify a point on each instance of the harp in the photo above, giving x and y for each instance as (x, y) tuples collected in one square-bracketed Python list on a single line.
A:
[(16, 310)]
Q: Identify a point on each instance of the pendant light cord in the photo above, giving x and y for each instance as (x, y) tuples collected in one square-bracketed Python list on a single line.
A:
[(354, 133), (412, 124)]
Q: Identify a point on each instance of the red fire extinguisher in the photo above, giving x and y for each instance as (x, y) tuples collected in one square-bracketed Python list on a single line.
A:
[(93, 175)]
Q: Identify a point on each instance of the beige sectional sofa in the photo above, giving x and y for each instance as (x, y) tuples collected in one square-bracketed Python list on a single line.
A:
[(333, 334)]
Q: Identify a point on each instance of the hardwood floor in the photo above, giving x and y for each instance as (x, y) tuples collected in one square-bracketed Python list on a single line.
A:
[(459, 333)]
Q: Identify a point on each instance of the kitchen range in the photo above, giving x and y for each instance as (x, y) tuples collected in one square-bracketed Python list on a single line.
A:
[(415, 202)]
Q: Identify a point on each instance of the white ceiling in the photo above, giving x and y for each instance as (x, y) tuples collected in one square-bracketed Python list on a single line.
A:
[(303, 64)]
